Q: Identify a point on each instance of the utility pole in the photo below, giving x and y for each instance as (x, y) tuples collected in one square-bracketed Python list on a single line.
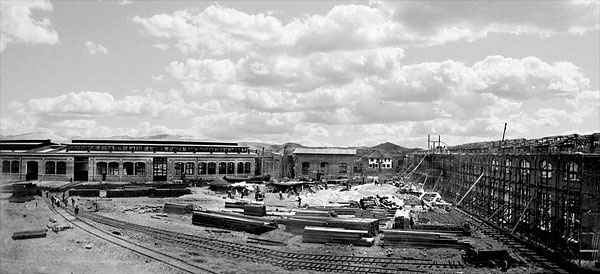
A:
[(428, 142), (503, 133)]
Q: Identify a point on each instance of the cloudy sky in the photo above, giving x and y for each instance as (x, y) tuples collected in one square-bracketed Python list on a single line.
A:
[(318, 73)]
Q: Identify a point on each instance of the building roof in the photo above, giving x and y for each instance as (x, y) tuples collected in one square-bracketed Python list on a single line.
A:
[(151, 142), (378, 154), (330, 151)]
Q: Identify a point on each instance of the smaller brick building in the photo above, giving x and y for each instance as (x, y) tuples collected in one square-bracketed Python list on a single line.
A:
[(316, 163)]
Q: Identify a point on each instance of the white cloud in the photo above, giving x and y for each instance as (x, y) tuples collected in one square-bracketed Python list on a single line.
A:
[(219, 30), (93, 48), (161, 46), (125, 2), (91, 103), (18, 24), (159, 77)]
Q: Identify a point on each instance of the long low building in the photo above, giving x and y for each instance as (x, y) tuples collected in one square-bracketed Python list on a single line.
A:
[(123, 160)]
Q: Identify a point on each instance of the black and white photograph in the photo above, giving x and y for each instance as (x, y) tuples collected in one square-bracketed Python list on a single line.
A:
[(298, 136)]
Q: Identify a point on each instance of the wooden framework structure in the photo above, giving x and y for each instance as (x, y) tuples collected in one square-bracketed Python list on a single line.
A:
[(545, 190)]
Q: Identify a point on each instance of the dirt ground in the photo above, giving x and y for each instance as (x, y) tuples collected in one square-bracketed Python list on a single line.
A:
[(65, 252)]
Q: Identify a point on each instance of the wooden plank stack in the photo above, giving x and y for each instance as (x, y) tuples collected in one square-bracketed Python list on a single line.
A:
[(236, 204), (335, 235), (381, 214), (178, 208), (315, 213), (297, 224), (30, 234), (446, 228), (423, 239), (84, 192), (214, 219), (255, 210)]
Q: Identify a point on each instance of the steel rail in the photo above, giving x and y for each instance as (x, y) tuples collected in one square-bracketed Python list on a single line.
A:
[(146, 254)]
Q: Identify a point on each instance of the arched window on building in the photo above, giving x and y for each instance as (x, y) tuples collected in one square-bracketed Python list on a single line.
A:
[(127, 168), (61, 167), (212, 168), (222, 168), (324, 167), (230, 168), (343, 168), (101, 168), (50, 167), (572, 171), (247, 167), (201, 168), (546, 168), (189, 168), (178, 168), (5, 166), (507, 166), (495, 168), (240, 168), (140, 168), (305, 168), (113, 168), (14, 167), (525, 167)]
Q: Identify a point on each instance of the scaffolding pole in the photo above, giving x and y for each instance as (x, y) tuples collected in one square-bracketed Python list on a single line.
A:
[(523, 213), (471, 188)]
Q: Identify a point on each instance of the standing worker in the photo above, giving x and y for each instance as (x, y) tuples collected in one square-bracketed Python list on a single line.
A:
[(299, 201), (76, 210)]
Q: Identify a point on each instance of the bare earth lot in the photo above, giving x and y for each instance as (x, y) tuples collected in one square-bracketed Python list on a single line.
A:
[(66, 252)]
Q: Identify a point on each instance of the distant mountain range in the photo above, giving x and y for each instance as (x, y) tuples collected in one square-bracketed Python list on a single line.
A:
[(286, 148)]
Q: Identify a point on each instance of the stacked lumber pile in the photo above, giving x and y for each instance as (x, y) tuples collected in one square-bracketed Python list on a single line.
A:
[(315, 213), (335, 235), (336, 210), (297, 224), (214, 219), (255, 210), (381, 214), (84, 192), (463, 230), (171, 192), (30, 234), (369, 225), (423, 239), (402, 219), (178, 208), (236, 204)]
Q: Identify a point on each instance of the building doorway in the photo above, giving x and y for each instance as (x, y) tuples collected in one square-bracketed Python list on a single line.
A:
[(32, 171), (80, 169), (159, 169)]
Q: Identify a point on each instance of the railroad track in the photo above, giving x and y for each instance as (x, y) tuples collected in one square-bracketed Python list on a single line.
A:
[(287, 260), (523, 253), (174, 262)]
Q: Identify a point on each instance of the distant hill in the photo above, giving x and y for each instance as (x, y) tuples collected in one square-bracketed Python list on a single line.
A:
[(37, 136), (392, 148)]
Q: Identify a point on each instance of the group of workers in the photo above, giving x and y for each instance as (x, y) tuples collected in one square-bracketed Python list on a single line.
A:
[(56, 201)]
